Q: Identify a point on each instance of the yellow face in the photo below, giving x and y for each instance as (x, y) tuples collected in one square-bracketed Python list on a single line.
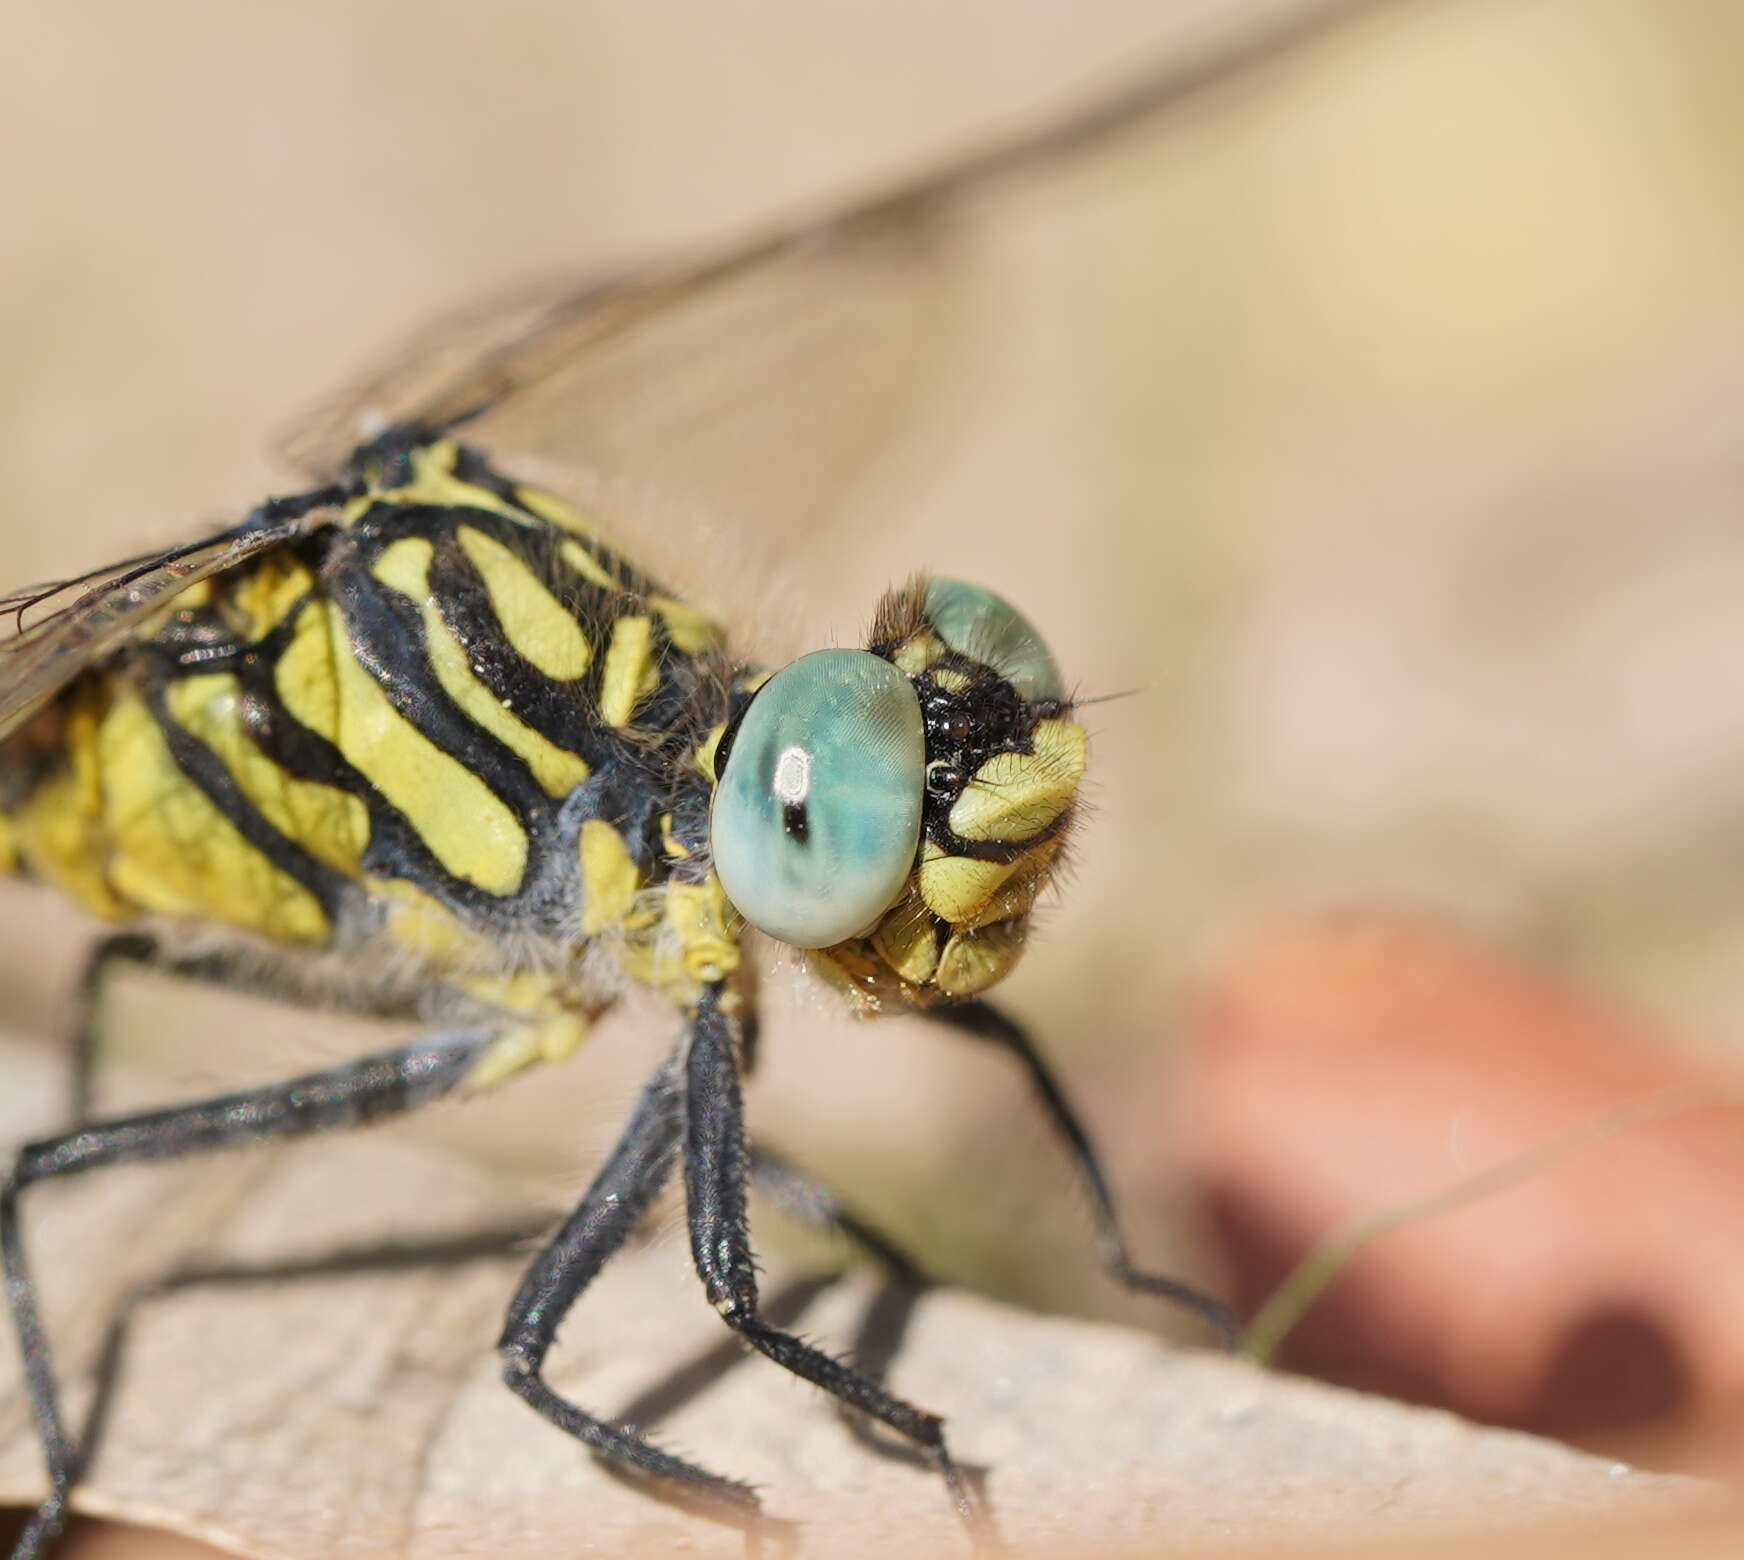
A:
[(1003, 762)]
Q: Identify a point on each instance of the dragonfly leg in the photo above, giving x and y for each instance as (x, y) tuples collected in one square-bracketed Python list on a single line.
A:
[(128, 947), (229, 969), (809, 1200), (816, 1205), (353, 1094), (716, 1172), (984, 1021), (632, 1177)]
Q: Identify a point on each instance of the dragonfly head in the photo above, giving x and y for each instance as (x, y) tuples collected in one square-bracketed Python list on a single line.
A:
[(900, 809)]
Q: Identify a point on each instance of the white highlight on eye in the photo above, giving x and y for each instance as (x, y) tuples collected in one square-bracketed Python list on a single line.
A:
[(792, 782)]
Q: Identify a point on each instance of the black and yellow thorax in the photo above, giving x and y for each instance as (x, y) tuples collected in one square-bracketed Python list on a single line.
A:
[(449, 719)]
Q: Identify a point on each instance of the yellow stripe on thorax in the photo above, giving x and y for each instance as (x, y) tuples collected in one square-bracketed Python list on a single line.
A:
[(549, 507), (610, 879), (405, 566), (432, 482), (689, 630), (265, 594), (532, 619), (586, 565), (60, 829), (465, 825), (629, 674), (172, 849), (331, 824)]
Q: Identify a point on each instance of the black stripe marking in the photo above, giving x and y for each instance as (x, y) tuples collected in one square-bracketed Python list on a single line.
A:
[(567, 713), (395, 848), (386, 631), (204, 769), (564, 713), (471, 466)]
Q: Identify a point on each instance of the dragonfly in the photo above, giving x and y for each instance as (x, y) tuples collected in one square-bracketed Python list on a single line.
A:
[(431, 725)]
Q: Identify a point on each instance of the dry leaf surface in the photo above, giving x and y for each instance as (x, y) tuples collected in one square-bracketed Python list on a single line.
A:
[(287, 1404), (1348, 1063)]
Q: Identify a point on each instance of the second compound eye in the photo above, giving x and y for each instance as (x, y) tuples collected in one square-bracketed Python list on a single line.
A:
[(987, 628), (816, 816)]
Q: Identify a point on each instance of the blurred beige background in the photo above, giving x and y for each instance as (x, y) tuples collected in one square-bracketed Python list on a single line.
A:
[(1376, 416)]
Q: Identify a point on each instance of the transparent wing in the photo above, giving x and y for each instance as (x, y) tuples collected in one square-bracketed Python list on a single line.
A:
[(49, 633), (752, 380)]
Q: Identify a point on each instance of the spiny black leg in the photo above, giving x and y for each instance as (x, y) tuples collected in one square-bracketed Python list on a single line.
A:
[(128, 947), (627, 1184), (887, 1318), (350, 1095), (986, 1022), (716, 1168), (219, 967)]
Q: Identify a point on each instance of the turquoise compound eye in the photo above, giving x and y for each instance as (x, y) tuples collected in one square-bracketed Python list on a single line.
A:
[(817, 812), (987, 628)]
